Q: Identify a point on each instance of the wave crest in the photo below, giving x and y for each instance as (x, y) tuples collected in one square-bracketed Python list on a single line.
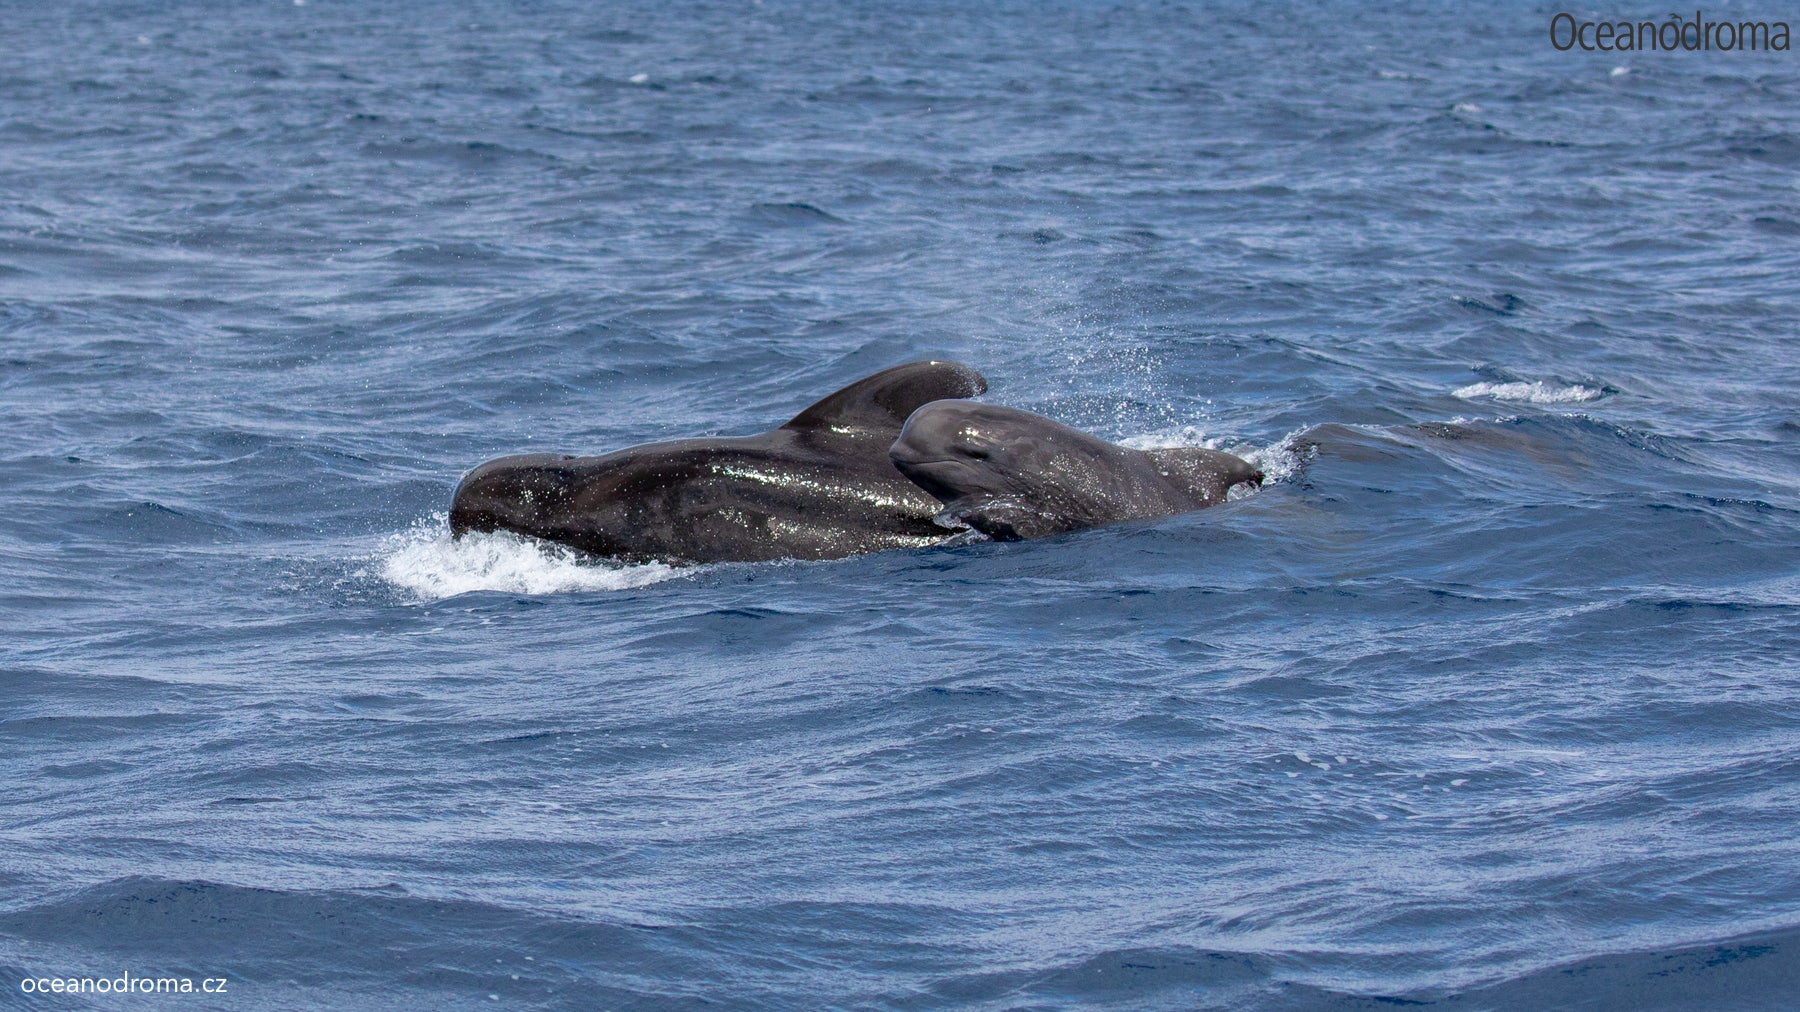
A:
[(1537, 392)]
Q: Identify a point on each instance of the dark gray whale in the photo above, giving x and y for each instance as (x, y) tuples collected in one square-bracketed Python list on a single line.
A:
[(1011, 474), (820, 487)]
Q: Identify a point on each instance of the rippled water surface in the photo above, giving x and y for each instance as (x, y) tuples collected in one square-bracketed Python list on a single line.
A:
[(1490, 699)]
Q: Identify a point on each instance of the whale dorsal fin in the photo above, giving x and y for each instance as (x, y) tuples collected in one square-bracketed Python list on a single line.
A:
[(882, 402)]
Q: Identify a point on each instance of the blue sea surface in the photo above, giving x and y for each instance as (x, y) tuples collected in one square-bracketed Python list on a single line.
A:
[(1488, 699)]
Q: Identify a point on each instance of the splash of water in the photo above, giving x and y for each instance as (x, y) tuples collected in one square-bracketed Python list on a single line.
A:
[(426, 563)]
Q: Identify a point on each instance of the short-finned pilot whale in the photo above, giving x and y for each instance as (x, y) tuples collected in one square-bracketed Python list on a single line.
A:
[(819, 487), (1012, 474)]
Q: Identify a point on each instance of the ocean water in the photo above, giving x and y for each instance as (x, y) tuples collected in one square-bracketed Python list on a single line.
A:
[(1488, 700)]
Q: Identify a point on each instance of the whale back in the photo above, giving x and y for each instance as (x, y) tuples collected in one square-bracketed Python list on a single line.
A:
[(1206, 474)]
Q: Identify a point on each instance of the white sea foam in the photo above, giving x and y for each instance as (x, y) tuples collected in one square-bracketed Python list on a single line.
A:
[(1537, 392), (425, 562)]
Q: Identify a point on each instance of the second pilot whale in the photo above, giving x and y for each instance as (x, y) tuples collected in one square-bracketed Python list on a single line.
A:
[(1012, 474)]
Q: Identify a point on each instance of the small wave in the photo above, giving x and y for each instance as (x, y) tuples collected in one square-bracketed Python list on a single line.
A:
[(426, 562), (1537, 392), (794, 213)]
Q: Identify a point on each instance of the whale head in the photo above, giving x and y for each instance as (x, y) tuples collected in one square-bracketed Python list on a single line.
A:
[(1008, 473), (527, 494), (958, 449)]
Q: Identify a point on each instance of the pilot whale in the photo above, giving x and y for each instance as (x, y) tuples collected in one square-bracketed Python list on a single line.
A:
[(1011, 474), (821, 486)]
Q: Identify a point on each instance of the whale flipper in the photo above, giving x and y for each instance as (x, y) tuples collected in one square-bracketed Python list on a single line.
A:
[(880, 404), (1005, 520)]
